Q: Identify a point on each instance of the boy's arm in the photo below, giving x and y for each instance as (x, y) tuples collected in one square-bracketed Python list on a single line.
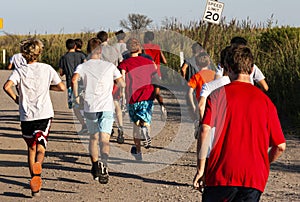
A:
[(276, 151), (120, 82), (7, 87), (263, 84), (163, 58), (59, 87), (61, 71), (74, 86), (202, 149), (191, 99), (201, 105), (9, 66), (183, 69)]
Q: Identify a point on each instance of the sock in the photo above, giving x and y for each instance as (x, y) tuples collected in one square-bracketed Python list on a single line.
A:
[(104, 158), (95, 164)]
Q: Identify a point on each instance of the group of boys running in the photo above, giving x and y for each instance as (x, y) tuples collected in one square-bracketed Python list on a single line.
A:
[(95, 83), (226, 117)]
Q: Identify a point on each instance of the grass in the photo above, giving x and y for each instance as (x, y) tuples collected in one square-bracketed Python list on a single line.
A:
[(276, 51)]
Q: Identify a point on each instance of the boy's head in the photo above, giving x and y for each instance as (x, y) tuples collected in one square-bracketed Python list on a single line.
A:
[(239, 60), (103, 36), (133, 45), (238, 41), (31, 49), (70, 44), (93, 44), (78, 43), (197, 48), (149, 36), (202, 60), (223, 55), (120, 35)]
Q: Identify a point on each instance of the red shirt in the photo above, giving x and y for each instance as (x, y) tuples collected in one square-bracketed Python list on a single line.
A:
[(246, 124), (154, 51), (139, 73)]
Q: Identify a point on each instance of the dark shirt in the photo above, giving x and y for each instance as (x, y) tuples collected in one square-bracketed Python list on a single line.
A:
[(69, 62)]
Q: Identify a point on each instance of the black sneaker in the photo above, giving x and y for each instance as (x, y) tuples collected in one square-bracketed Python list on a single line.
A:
[(146, 139), (112, 132), (120, 138), (137, 156), (95, 172), (103, 177)]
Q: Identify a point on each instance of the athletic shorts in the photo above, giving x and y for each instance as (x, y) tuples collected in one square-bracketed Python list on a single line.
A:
[(36, 132), (141, 111), (99, 121), (228, 193)]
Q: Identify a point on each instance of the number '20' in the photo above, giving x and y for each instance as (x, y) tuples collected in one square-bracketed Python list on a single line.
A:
[(210, 16)]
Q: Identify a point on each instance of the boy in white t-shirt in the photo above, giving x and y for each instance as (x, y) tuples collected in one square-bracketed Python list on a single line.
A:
[(98, 78), (36, 112)]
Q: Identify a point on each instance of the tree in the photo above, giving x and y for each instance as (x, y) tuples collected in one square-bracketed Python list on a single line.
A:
[(135, 22)]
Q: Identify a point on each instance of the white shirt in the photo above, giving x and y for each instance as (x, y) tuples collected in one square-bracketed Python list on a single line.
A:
[(98, 79), (33, 82), (110, 54), (256, 75), (209, 87), (18, 60)]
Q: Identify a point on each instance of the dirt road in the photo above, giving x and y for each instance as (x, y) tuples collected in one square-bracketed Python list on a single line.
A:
[(165, 174)]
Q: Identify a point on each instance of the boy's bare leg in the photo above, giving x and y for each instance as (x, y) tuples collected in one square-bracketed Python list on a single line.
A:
[(31, 158), (79, 117), (93, 147), (104, 147), (137, 137), (119, 114)]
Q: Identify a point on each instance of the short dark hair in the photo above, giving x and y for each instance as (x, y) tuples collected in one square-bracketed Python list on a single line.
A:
[(78, 43), (202, 60), (223, 55), (102, 35), (149, 36), (238, 41), (197, 48), (70, 44), (240, 59), (133, 45), (120, 35)]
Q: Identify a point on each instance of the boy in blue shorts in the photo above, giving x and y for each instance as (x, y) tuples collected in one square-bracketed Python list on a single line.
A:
[(98, 78), (140, 73)]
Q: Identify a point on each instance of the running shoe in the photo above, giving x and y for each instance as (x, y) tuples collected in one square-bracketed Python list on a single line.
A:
[(146, 139), (112, 132), (103, 177), (36, 180), (120, 138), (137, 156), (95, 172)]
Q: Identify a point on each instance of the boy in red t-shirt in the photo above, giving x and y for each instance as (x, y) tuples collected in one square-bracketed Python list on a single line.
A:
[(246, 124), (139, 72)]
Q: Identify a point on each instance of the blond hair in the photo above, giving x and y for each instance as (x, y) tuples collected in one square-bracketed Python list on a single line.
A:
[(31, 49)]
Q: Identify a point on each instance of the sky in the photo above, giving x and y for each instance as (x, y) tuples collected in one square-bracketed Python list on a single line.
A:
[(65, 16)]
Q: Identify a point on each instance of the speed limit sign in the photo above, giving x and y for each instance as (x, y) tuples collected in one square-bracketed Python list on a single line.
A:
[(213, 11)]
